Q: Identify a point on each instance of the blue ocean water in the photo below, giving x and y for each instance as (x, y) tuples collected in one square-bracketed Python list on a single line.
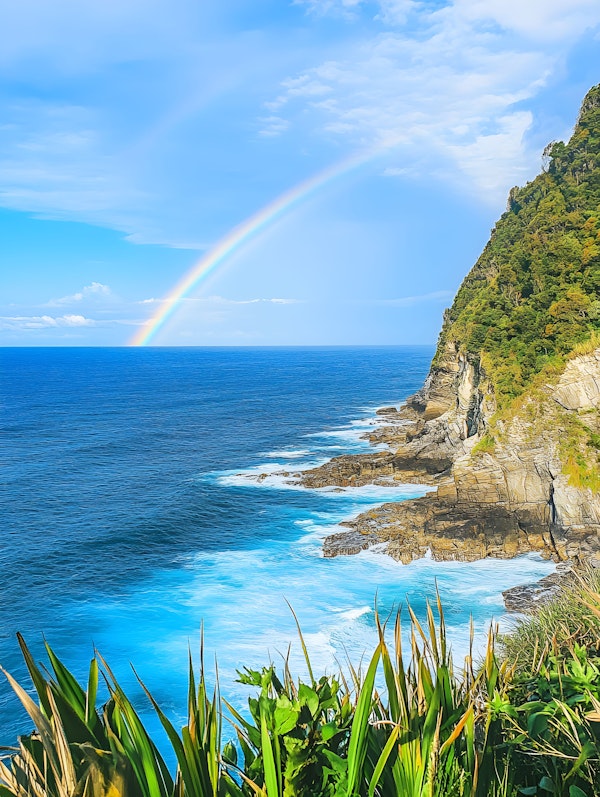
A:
[(132, 513)]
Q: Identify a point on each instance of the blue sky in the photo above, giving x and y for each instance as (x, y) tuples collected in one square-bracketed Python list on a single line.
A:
[(134, 135)]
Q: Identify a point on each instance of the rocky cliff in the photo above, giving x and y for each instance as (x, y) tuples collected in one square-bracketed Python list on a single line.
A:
[(507, 424), (497, 494)]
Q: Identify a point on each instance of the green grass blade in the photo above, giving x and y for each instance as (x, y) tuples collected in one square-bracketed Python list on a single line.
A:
[(36, 675), (67, 684), (357, 746), (270, 769), (303, 644), (91, 694), (383, 759)]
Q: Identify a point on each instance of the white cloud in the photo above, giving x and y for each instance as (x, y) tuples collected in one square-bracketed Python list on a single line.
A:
[(220, 300), (93, 290), (44, 322), (396, 12), (446, 88), (344, 8), (392, 12), (273, 125), (538, 20), (150, 158)]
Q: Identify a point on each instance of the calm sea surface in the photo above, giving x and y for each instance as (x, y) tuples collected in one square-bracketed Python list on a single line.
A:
[(131, 512)]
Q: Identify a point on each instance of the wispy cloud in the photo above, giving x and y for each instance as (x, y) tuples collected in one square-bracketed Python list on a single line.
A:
[(448, 87), (220, 300), (409, 301), (93, 290), (389, 11), (273, 125), (160, 159), (347, 9)]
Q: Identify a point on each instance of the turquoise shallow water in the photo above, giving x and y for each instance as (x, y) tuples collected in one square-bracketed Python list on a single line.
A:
[(132, 513)]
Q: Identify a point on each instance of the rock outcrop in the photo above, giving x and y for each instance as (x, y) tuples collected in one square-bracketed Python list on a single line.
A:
[(529, 597), (499, 495)]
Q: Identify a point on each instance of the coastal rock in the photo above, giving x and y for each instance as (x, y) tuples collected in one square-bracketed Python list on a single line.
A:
[(444, 530), (346, 543), (579, 386), (507, 423), (356, 470), (497, 499), (527, 598)]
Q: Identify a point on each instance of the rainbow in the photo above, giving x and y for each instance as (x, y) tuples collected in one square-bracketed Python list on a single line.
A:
[(238, 236)]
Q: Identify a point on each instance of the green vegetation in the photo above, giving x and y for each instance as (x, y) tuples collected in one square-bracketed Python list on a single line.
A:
[(579, 449), (485, 446), (531, 728), (534, 294), (568, 619)]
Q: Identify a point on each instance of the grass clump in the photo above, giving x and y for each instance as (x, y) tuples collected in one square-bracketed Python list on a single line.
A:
[(580, 454), (486, 445), (573, 616), (587, 346)]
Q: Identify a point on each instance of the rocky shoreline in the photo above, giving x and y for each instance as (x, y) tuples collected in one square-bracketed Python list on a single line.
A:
[(496, 501)]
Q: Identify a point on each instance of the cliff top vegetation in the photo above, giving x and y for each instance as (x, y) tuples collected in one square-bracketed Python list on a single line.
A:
[(534, 293)]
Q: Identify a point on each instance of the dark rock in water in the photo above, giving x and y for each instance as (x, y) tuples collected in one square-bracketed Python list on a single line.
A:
[(356, 470), (529, 597)]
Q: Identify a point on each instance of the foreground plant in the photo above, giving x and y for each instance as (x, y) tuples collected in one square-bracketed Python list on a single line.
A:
[(500, 730)]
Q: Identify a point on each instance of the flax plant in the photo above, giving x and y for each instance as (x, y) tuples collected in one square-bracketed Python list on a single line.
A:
[(75, 749), (426, 735)]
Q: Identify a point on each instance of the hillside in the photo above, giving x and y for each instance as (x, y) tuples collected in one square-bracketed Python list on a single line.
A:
[(534, 293), (507, 424)]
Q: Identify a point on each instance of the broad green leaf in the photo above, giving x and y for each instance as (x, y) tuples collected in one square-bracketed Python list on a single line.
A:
[(329, 730), (309, 698), (547, 784), (575, 791), (286, 717)]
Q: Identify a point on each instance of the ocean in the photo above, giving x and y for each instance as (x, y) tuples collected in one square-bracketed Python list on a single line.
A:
[(141, 500)]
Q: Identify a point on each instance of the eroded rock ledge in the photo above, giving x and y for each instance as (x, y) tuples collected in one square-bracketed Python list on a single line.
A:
[(444, 530)]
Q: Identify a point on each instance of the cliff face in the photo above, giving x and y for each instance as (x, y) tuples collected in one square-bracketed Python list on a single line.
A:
[(511, 473), (507, 424)]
